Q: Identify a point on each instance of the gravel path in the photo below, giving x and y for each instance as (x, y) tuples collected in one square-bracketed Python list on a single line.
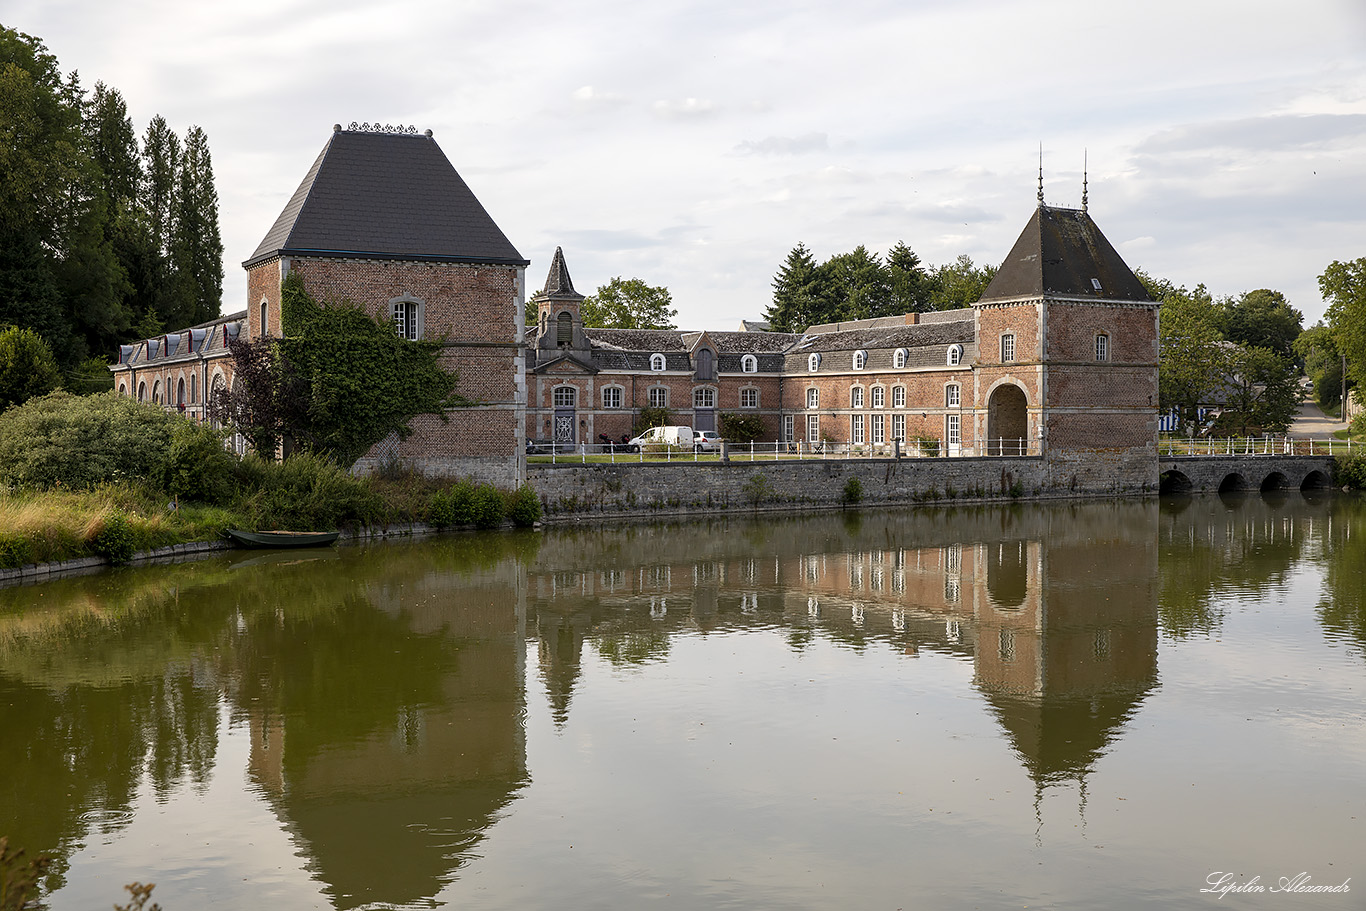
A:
[(1310, 421)]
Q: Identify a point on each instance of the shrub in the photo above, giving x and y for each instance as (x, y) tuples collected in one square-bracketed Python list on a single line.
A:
[(15, 550), (197, 466), (114, 540), (453, 506), (27, 367), (1352, 470), (758, 488), (488, 506), (62, 440), (524, 507), (741, 428), (852, 493), (307, 492)]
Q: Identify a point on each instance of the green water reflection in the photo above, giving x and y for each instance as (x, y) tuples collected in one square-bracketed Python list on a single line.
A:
[(417, 722)]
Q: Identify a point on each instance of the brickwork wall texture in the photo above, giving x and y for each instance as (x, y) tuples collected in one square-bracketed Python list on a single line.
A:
[(1021, 319), (1131, 331)]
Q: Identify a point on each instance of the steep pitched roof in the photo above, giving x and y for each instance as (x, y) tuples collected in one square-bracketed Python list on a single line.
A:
[(1062, 252), (558, 285), (386, 196)]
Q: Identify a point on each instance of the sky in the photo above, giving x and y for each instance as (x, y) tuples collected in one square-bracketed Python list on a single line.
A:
[(694, 144)]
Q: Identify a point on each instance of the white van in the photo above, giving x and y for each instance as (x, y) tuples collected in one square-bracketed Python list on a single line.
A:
[(666, 435)]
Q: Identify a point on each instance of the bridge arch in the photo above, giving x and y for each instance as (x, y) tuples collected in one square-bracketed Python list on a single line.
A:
[(1233, 481), (1173, 481), (1275, 481), (1316, 480)]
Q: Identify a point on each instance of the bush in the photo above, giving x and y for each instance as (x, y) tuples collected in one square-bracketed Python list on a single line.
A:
[(741, 428), (80, 442), (27, 367), (852, 493), (197, 466), (114, 540), (15, 550), (758, 488), (488, 506), (308, 492), (453, 506), (524, 507), (1352, 470)]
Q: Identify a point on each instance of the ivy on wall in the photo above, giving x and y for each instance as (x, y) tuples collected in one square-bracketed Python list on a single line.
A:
[(341, 381)]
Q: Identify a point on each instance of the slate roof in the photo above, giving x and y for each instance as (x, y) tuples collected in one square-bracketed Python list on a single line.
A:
[(386, 196), (918, 336), (1061, 252), (558, 285), (647, 340)]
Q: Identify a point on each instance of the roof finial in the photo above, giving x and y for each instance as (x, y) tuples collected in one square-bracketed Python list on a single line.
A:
[(1041, 175), (1083, 181)]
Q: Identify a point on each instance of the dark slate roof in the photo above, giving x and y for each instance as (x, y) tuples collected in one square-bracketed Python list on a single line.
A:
[(1060, 252), (958, 332), (558, 285), (662, 340), (752, 342), (386, 196)]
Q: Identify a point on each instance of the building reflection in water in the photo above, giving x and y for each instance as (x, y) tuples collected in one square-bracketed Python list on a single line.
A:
[(1056, 607)]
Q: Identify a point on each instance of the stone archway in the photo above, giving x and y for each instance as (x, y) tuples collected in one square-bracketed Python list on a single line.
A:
[(1007, 421)]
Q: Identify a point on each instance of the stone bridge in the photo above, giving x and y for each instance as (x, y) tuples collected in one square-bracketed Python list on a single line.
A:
[(1244, 472)]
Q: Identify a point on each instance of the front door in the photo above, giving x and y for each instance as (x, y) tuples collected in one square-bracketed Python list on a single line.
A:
[(564, 425)]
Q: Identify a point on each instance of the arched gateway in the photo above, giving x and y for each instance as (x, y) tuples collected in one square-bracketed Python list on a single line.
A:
[(1007, 421)]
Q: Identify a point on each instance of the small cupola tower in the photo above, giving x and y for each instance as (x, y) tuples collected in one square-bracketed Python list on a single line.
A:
[(559, 323)]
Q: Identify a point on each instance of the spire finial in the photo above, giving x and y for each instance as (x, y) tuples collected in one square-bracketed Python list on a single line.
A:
[(1041, 175), (1083, 181)]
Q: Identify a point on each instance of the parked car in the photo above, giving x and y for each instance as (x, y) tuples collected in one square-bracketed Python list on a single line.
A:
[(665, 435), (707, 441)]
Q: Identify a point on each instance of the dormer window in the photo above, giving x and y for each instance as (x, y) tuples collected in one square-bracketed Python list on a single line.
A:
[(704, 364), (656, 362), (860, 359), (956, 355), (813, 363), (899, 359), (749, 364)]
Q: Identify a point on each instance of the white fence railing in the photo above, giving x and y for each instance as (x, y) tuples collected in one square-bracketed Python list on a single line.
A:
[(555, 453), (1264, 445)]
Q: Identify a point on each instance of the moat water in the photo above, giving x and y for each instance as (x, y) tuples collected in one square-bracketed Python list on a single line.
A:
[(1100, 705)]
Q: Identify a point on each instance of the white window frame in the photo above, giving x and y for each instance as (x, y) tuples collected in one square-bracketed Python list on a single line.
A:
[(1102, 346), (813, 363), (955, 355), (749, 364), (813, 398), (856, 428), (877, 428), (898, 396), (658, 396), (899, 359), (613, 396), (789, 427), (879, 397), (1007, 347), (407, 313), (749, 397), (855, 396), (656, 362), (813, 428), (564, 397), (860, 359), (704, 397), (899, 427), (953, 396), (953, 429)]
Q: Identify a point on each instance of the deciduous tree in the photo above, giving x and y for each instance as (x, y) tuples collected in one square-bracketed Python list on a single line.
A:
[(629, 303)]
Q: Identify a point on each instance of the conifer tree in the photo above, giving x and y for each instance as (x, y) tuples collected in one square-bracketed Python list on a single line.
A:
[(197, 248)]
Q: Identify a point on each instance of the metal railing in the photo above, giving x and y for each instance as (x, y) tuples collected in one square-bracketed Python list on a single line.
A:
[(1245, 446), (583, 453)]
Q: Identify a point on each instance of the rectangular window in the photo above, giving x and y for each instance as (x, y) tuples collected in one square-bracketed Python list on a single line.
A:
[(856, 429), (951, 393), (879, 396), (953, 429), (899, 427), (1007, 347), (813, 428), (749, 398), (704, 397), (898, 396), (789, 428), (659, 397), (611, 397), (405, 318), (565, 396), (877, 429), (813, 398), (856, 397), (1102, 347)]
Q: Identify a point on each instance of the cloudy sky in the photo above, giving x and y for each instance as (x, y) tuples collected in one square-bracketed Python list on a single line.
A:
[(693, 144)]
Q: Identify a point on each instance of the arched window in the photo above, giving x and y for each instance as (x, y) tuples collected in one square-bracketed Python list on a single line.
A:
[(123, 389), (955, 355), (142, 392), (265, 314), (899, 359), (180, 392), (1102, 346), (564, 329), (813, 398), (879, 397), (898, 396), (656, 362), (749, 364), (565, 396), (856, 397), (860, 359), (194, 389), (813, 363), (704, 397), (953, 395), (156, 392)]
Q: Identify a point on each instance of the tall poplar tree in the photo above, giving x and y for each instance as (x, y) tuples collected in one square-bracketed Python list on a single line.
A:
[(197, 248)]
